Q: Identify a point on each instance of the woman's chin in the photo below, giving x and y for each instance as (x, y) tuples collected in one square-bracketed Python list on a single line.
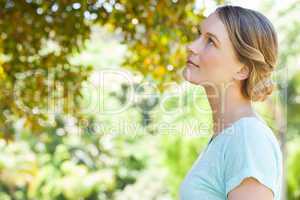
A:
[(190, 77)]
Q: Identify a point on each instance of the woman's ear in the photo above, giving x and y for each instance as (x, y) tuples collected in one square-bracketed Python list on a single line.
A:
[(242, 73)]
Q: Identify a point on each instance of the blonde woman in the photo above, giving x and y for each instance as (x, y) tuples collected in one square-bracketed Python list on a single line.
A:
[(233, 59)]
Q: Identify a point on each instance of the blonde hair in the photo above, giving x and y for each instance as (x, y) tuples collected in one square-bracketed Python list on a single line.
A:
[(255, 43)]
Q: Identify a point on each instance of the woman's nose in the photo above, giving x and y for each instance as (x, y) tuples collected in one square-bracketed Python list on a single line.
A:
[(190, 49)]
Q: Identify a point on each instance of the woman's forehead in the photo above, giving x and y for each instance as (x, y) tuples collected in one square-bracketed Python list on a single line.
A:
[(214, 25)]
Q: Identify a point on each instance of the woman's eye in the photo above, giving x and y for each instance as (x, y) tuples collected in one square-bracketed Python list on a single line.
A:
[(209, 40)]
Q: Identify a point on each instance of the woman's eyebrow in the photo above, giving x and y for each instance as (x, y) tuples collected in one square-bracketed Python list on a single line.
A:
[(212, 35), (209, 33)]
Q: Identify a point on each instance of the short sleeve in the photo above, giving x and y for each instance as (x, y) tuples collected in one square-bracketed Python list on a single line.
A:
[(249, 153)]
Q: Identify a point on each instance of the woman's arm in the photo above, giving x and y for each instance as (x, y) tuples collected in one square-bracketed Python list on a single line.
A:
[(251, 189)]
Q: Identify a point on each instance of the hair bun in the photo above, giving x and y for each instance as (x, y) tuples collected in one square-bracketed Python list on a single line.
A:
[(262, 89)]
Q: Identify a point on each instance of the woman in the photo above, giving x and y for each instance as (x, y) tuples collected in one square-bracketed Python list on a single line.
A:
[(233, 59)]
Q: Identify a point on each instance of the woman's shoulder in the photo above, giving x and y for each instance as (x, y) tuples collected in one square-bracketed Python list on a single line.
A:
[(249, 127), (255, 129), (253, 133), (252, 150), (248, 134)]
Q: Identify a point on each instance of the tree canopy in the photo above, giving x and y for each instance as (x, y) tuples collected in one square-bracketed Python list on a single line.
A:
[(38, 38)]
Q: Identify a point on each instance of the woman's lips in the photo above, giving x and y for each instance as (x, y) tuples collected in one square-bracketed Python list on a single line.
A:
[(191, 63)]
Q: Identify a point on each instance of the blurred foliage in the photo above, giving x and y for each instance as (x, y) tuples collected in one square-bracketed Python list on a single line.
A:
[(35, 49), (155, 32), (293, 180), (67, 162), (289, 59), (42, 93), (293, 101), (36, 40)]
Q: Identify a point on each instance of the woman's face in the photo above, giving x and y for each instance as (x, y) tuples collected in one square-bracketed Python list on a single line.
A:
[(211, 58)]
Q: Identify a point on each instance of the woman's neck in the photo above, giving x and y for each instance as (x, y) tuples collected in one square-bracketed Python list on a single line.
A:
[(228, 105)]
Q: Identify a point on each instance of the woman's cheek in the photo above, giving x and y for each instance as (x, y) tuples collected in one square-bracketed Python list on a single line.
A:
[(210, 59), (215, 65)]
